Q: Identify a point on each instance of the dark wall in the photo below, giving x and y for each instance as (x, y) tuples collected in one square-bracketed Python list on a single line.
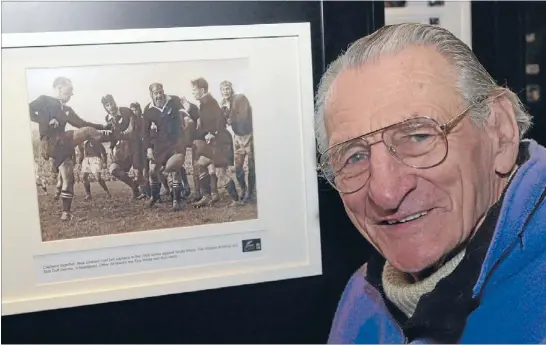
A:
[(498, 40), (290, 311)]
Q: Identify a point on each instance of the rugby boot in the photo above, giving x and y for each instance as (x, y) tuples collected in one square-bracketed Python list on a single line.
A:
[(215, 196), (204, 201), (204, 191), (178, 205), (232, 191), (154, 189), (137, 195), (66, 216)]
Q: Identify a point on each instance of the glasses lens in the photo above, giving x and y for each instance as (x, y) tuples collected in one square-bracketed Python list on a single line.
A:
[(346, 166), (418, 142)]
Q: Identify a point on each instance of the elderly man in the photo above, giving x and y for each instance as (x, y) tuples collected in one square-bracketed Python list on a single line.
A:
[(427, 154)]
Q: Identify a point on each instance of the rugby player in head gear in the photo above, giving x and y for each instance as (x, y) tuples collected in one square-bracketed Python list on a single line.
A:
[(124, 143), (213, 145), (168, 151), (238, 113), (56, 143)]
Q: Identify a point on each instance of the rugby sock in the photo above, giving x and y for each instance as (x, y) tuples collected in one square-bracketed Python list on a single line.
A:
[(204, 181), (232, 190), (184, 175), (145, 189), (66, 197), (251, 182), (87, 187), (154, 189), (103, 185), (177, 191), (240, 175), (214, 184), (196, 185)]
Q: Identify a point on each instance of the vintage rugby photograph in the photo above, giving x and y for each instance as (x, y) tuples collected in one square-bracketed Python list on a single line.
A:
[(139, 147)]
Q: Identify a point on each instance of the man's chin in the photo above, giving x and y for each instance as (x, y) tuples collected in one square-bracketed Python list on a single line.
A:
[(412, 263)]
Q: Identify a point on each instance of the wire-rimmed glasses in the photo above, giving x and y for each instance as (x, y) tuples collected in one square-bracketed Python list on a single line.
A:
[(417, 142)]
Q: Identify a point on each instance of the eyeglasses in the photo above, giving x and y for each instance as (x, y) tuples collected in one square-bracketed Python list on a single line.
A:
[(418, 142)]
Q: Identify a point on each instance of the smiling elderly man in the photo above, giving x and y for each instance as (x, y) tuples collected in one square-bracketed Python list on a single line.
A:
[(427, 154)]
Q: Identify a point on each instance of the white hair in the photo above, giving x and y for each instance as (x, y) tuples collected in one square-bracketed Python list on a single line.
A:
[(473, 83)]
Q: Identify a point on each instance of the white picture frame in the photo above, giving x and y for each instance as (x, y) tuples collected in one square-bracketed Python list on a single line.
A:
[(453, 15), (208, 256)]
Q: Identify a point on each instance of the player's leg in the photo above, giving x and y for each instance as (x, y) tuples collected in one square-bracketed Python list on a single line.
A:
[(184, 176), (86, 186), (225, 181), (205, 167), (154, 183), (240, 155), (119, 171), (102, 183), (58, 186), (215, 196), (138, 166), (66, 170), (164, 182), (249, 148), (146, 176), (173, 167), (86, 170)]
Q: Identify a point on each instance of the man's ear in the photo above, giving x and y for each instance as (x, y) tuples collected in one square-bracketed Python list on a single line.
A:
[(504, 132)]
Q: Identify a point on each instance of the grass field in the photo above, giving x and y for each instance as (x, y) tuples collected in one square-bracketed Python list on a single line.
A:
[(120, 214)]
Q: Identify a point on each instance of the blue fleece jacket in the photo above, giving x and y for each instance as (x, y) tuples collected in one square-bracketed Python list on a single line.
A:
[(511, 284)]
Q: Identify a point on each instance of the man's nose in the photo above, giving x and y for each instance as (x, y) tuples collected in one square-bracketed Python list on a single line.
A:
[(390, 181)]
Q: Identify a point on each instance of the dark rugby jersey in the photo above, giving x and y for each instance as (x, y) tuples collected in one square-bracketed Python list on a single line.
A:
[(167, 120), (240, 114), (46, 108), (210, 116)]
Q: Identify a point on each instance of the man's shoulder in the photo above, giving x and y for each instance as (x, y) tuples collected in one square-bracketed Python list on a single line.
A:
[(362, 315), (240, 97), (46, 100), (148, 109), (124, 111), (175, 101)]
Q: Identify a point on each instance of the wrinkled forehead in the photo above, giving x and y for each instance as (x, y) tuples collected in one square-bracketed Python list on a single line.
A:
[(416, 81)]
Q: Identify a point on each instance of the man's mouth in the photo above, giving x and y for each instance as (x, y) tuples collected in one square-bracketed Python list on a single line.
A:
[(405, 219)]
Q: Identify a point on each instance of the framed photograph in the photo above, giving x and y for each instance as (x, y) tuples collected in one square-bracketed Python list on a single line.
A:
[(147, 162)]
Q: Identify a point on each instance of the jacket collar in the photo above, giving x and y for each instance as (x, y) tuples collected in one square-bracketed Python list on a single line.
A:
[(522, 196)]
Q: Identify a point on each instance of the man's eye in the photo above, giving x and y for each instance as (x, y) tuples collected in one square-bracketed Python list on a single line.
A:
[(357, 157), (417, 138)]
